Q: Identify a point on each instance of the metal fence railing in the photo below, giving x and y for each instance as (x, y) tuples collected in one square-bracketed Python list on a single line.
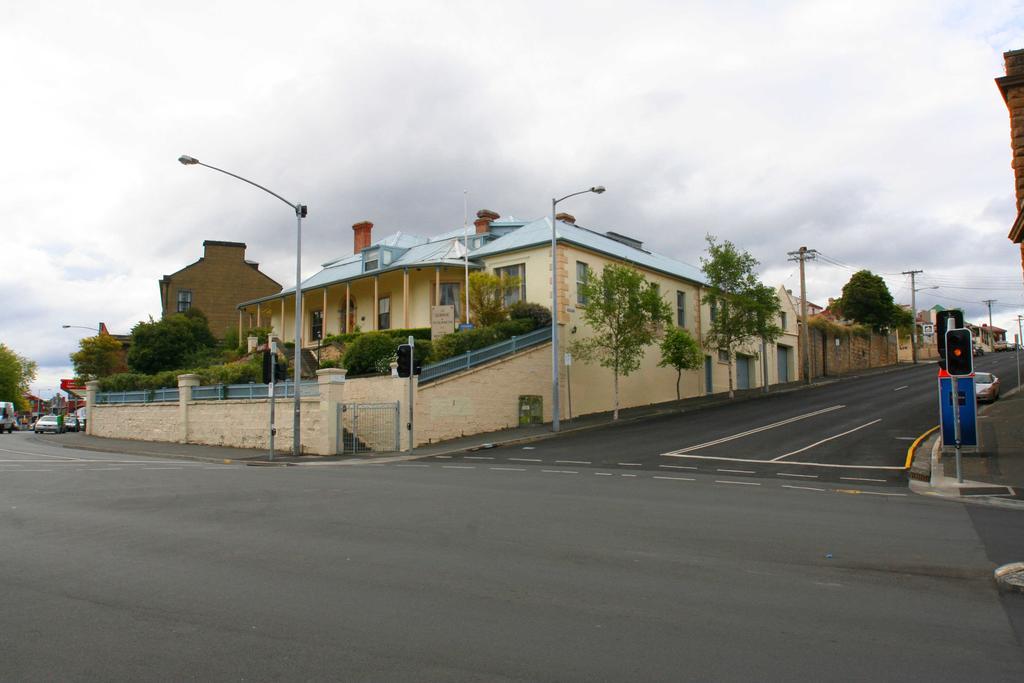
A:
[(470, 359), (369, 427), (214, 392)]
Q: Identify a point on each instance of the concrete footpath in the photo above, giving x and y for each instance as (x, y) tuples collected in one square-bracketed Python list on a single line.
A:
[(993, 475)]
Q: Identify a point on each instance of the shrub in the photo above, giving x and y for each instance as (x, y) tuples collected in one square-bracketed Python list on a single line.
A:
[(538, 314), (400, 334), (471, 340), (369, 352)]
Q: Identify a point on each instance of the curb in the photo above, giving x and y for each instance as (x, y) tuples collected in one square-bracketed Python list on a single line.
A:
[(1010, 577)]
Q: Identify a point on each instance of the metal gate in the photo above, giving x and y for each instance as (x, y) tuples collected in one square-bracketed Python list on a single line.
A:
[(369, 427)]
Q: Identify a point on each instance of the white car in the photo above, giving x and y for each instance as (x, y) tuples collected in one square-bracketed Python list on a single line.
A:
[(49, 423), (8, 420)]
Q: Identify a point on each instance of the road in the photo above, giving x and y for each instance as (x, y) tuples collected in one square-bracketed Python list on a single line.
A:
[(855, 431), (124, 567)]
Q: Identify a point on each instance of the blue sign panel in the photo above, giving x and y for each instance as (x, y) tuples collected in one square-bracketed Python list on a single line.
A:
[(968, 411)]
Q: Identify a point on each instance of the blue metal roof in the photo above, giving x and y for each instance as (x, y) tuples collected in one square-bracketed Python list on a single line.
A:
[(538, 232)]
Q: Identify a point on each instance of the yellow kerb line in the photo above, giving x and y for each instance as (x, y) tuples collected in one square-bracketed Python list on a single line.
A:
[(913, 446)]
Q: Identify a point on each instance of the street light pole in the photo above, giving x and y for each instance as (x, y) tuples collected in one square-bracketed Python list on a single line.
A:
[(97, 329), (598, 189), (300, 212)]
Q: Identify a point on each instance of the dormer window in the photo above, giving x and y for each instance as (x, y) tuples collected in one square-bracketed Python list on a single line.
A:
[(371, 260)]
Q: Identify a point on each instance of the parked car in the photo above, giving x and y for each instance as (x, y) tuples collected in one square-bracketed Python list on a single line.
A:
[(71, 423), (1000, 346), (986, 386), (49, 423)]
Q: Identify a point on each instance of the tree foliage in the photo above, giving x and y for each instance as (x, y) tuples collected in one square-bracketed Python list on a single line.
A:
[(169, 343), (745, 309), (16, 374), (487, 297), (625, 314), (97, 357), (866, 299), (681, 351)]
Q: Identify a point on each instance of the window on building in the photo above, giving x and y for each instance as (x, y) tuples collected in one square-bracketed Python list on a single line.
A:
[(582, 270), (714, 310), (371, 260), (384, 313), (451, 295), (723, 355), (184, 300), (681, 309), (782, 322), (316, 325), (517, 292)]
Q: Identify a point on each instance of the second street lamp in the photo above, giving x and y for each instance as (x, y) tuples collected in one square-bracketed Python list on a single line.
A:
[(300, 213), (598, 189)]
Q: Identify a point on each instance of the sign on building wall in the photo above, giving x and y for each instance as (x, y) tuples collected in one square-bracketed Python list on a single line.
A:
[(442, 321)]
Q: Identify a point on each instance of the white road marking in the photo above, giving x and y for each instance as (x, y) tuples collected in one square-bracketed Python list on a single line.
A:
[(411, 465), (459, 467), (526, 459), (825, 440), (673, 478), (742, 483), (906, 438), (161, 468), (773, 425), (479, 457), (735, 471), (789, 462), (793, 474), (572, 462), (627, 475), (508, 469), (801, 488), (678, 467), (629, 464), (444, 457), (876, 493), (905, 386), (41, 455), (560, 471), (97, 469), (604, 474), (863, 478), (31, 470)]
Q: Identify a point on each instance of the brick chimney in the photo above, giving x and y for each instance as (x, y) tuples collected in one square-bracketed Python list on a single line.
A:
[(484, 218), (361, 238), (570, 219)]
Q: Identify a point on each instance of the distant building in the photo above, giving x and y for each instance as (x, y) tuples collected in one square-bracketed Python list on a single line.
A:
[(215, 284)]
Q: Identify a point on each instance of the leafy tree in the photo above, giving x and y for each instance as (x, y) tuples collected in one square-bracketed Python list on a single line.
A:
[(16, 373), (866, 299), (166, 344), (681, 351), (625, 313), (487, 297), (745, 309), (98, 356)]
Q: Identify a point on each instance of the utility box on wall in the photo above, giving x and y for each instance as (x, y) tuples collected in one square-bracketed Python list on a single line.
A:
[(531, 410)]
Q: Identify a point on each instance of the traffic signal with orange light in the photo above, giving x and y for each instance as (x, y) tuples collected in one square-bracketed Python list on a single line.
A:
[(959, 353), (404, 360)]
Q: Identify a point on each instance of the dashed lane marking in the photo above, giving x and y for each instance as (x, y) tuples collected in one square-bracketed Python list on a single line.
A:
[(802, 488), (627, 475), (794, 474), (508, 469), (878, 493), (794, 463), (630, 464), (735, 471), (604, 474), (862, 478), (459, 467), (673, 478), (572, 462), (411, 464), (479, 457), (741, 483), (678, 467), (905, 386), (826, 440), (560, 471), (526, 459), (755, 430)]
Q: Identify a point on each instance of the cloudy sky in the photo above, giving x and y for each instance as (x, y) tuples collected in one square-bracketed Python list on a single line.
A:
[(870, 131)]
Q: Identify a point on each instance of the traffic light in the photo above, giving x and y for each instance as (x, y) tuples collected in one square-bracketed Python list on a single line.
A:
[(404, 360), (950, 319), (959, 356), (271, 359), (268, 360)]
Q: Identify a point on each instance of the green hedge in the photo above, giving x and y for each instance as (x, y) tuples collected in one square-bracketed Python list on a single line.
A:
[(400, 334), (470, 340), (232, 373)]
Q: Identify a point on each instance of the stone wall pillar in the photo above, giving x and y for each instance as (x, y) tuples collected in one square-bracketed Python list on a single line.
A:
[(401, 394), (185, 384), (331, 382), (91, 389)]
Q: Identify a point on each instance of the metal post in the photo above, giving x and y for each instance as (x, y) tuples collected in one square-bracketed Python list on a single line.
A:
[(801, 255), (412, 374), (913, 310), (273, 403), (956, 428), (296, 426), (554, 319)]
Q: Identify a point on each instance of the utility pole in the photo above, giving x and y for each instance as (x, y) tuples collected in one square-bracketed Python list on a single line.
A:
[(803, 254), (913, 309), (989, 302)]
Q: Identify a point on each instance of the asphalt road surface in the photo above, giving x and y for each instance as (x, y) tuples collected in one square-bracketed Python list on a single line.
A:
[(855, 431), (123, 567)]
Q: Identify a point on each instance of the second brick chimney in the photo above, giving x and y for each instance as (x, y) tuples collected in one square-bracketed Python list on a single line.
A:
[(484, 218), (361, 238)]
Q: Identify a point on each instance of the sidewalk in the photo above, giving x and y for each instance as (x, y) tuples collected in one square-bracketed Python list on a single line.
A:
[(994, 475)]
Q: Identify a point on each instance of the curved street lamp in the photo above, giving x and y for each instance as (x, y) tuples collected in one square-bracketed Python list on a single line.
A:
[(598, 189), (300, 213), (96, 329)]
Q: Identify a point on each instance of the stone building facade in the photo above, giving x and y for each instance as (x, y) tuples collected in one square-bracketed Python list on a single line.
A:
[(215, 284), (1012, 88)]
